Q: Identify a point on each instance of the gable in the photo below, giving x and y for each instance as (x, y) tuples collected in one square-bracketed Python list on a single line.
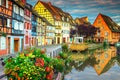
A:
[(44, 12)]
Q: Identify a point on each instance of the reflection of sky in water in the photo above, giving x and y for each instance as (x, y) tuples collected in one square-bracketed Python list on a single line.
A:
[(89, 73)]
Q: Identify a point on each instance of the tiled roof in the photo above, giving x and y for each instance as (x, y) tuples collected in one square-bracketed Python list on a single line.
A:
[(50, 7), (83, 20), (111, 24)]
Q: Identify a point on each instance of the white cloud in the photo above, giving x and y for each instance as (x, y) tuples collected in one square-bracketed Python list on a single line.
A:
[(119, 23), (114, 17)]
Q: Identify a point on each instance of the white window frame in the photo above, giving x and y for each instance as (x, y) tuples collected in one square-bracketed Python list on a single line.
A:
[(21, 12), (6, 3), (0, 2), (16, 26), (8, 22), (21, 26), (2, 43)]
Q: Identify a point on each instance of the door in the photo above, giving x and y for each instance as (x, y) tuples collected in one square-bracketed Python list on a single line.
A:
[(64, 40), (22, 44), (58, 40), (8, 45), (16, 45)]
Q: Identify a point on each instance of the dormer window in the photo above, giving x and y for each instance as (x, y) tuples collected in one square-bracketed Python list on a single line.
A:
[(99, 21), (67, 19), (62, 18), (45, 10)]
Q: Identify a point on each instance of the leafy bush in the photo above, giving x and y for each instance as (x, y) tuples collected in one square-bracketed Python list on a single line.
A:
[(65, 47), (32, 64)]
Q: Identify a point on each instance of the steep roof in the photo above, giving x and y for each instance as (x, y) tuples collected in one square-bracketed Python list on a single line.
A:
[(82, 20), (114, 27), (50, 8)]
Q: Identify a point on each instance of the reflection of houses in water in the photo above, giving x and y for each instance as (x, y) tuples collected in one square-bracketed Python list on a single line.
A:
[(105, 60)]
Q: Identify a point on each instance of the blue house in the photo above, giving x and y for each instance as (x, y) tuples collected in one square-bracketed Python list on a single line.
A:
[(17, 27)]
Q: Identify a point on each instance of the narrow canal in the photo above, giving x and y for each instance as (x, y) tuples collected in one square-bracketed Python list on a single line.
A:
[(100, 64)]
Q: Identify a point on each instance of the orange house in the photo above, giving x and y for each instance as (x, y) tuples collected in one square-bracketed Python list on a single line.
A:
[(108, 29), (5, 26)]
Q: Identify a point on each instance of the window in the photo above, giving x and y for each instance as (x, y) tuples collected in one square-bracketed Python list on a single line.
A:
[(6, 3), (27, 25), (2, 43), (16, 9), (8, 22), (45, 10), (21, 12), (0, 22), (106, 33), (16, 25), (99, 21), (67, 19), (5, 22), (26, 39), (21, 26), (23, 1), (3, 2)]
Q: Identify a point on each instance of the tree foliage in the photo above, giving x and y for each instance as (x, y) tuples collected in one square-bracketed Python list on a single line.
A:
[(72, 32), (86, 30)]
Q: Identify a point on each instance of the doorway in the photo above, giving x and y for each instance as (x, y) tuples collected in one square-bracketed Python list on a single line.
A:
[(58, 40), (16, 45), (8, 45)]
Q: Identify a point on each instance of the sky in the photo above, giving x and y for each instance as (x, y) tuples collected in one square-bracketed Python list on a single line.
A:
[(90, 8)]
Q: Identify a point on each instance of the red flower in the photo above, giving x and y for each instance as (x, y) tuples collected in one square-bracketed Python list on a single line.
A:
[(49, 76), (47, 69), (39, 62)]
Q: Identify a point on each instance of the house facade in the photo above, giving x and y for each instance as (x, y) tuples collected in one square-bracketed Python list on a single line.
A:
[(27, 26), (17, 27), (57, 17), (45, 11), (5, 26), (108, 29), (34, 23)]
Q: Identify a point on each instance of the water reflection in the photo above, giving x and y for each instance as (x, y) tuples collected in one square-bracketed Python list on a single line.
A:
[(101, 61), (105, 58)]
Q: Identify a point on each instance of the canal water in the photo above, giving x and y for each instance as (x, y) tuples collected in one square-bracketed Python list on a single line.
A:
[(101, 64)]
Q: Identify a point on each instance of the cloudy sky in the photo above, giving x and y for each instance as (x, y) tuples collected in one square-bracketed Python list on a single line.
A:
[(90, 8)]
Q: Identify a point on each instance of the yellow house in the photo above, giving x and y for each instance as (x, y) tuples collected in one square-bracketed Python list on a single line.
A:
[(48, 11), (104, 58), (40, 32), (56, 17), (43, 9)]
